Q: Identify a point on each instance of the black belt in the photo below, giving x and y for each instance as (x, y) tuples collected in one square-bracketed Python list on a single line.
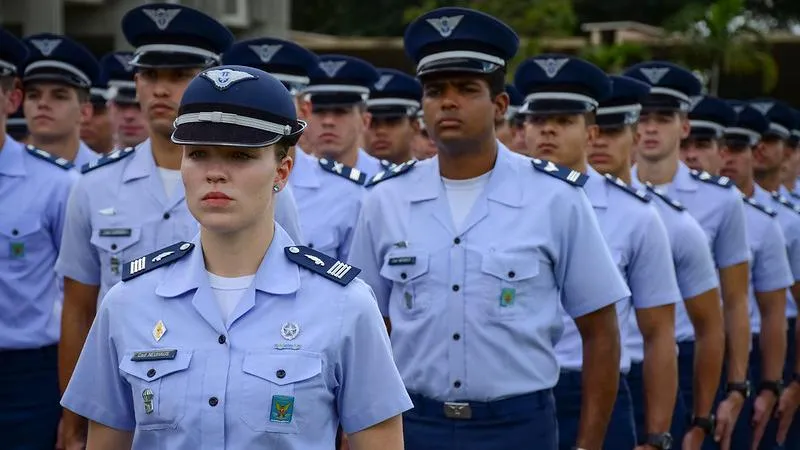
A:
[(524, 404)]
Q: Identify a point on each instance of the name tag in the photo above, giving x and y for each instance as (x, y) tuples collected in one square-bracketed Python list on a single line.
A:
[(403, 261), (154, 355), (115, 232)]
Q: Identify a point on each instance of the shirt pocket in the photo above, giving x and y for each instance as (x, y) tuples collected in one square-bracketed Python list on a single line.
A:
[(158, 389), (281, 391), (407, 271), (509, 284), (22, 238), (115, 246)]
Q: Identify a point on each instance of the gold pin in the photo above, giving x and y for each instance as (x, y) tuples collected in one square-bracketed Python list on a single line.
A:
[(159, 330)]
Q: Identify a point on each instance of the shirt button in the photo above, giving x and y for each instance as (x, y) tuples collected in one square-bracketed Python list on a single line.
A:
[(511, 274), (213, 401), (403, 275), (457, 241), (113, 246), (166, 216), (221, 339), (310, 245), (151, 373), (456, 336), (14, 232), (280, 373), (457, 384), (455, 288)]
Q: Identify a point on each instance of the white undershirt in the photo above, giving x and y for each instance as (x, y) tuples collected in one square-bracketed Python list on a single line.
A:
[(229, 291), (170, 179), (462, 195)]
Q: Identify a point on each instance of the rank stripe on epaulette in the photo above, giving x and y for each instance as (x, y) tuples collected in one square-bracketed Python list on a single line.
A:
[(166, 255), (112, 157), (620, 183), (711, 179), (752, 202), (49, 157), (395, 171), (785, 202), (561, 172), (337, 168), (663, 196), (322, 264)]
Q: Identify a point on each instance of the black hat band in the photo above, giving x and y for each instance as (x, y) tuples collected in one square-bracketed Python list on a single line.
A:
[(752, 137), (706, 125)]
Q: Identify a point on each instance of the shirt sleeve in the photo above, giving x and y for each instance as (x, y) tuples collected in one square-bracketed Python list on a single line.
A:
[(78, 259), (730, 244), (96, 390), (59, 210), (792, 236), (651, 273), (586, 274), (694, 265), (365, 251), (770, 266), (286, 214), (347, 238), (370, 389)]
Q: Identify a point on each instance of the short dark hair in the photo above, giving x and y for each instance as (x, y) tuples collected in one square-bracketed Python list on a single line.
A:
[(281, 151)]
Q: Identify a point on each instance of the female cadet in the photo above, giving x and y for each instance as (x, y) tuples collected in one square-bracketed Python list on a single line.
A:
[(224, 342)]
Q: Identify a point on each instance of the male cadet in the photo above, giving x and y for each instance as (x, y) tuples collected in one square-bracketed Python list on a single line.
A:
[(422, 146), (16, 127), (34, 186), (617, 118), (767, 135), (328, 194), (701, 149), (472, 284), (96, 130), (510, 131), (791, 167), (393, 104), (338, 91), (58, 75), (716, 206), (127, 119), (561, 96)]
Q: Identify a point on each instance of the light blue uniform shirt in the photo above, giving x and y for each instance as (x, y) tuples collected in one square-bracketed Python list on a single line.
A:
[(335, 367), (719, 210), (121, 211), (475, 311), (33, 200), (691, 257), (788, 214), (640, 248), (328, 205), (85, 155), (368, 164), (769, 265)]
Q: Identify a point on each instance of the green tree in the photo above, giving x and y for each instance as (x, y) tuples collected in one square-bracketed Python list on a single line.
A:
[(725, 38), (615, 58)]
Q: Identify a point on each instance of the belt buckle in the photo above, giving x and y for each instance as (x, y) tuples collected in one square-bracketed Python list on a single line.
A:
[(457, 410)]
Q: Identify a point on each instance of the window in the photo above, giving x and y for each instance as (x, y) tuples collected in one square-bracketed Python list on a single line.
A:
[(235, 13)]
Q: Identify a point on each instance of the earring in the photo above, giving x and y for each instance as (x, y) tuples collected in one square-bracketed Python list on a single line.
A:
[(276, 188)]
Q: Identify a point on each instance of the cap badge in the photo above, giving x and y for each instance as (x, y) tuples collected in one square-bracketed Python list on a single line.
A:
[(445, 25), (331, 68), (46, 46), (551, 66), (654, 74), (266, 52), (224, 78), (161, 17)]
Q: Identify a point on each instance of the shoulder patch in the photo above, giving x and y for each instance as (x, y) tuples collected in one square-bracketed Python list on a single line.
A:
[(49, 157), (158, 258), (663, 196), (768, 211), (618, 182), (395, 171), (322, 264), (785, 202), (711, 179), (108, 159), (351, 173), (572, 177)]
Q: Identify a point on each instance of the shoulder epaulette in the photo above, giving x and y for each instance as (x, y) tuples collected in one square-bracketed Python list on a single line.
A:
[(166, 255), (785, 202), (395, 171), (618, 182), (49, 157), (111, 158), (337, 168), (322, 264), (794, 195), (711, 179), (572, 177), (663, 196), (768, 211), (386, 164)]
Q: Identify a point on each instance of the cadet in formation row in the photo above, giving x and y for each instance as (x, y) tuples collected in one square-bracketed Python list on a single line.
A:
[(553, 296)]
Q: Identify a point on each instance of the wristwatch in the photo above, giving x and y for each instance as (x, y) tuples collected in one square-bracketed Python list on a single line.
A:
[(707, 424), (775, 386), (661, 441), (742, 388)]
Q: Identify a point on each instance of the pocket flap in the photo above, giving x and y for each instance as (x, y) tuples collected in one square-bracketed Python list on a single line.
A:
[(114, 239), (404, 266), (154, 370), (282, 369), (18, 226), (511, 267)]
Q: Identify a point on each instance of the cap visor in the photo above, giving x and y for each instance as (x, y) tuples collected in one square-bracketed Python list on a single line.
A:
[(54, 78), (204, 133)]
